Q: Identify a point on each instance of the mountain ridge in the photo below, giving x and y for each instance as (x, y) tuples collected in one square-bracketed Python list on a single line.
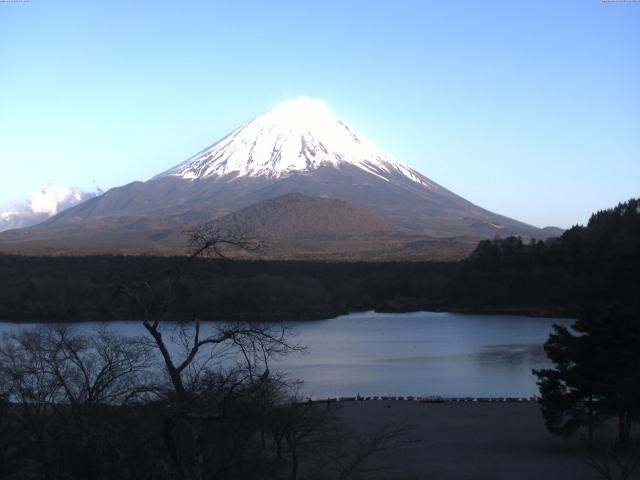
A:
[(296, 136), (300, 146)]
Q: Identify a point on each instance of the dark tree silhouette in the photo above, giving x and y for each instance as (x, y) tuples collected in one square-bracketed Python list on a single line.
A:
[(60, 385), (596, 375)]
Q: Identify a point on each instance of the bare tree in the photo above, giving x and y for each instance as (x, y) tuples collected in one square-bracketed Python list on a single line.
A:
[(616, 463), (363, 448), (207, 366), (58, 382), (104, 368), (251, 345), (304, 426), (35, 392)]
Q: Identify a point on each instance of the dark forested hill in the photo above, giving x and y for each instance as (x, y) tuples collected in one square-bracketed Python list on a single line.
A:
[(601, 261), (594, 264), (298, 215)]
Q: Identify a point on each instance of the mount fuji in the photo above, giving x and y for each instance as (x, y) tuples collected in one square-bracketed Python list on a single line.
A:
[(299, 136), (302, 147)]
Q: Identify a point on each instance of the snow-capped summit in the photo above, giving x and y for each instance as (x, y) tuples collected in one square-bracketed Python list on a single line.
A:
[(300, 136), (301, 147)]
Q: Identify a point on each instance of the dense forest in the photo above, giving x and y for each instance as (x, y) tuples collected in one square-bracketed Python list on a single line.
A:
[(587, 265), (600, 262)]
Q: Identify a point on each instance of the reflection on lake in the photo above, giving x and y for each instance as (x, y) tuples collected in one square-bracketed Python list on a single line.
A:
[(421, 353)]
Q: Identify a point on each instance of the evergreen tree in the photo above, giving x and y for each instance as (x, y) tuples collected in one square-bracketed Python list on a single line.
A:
[(596, 374)]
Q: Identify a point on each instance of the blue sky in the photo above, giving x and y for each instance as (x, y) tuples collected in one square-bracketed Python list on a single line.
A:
[(530, 109)]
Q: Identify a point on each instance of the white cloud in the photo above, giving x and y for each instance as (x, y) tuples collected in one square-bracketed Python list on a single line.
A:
[(42, 205)]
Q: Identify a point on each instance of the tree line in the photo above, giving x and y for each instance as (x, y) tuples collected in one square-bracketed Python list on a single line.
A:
[(589, 265)]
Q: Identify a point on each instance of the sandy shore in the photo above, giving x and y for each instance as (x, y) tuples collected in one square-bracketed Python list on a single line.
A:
[(460, 441)]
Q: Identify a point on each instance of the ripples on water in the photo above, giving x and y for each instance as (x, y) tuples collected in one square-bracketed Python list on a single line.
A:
[(421, 353)]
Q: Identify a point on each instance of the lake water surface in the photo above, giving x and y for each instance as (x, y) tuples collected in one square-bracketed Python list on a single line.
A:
[(420, 354)]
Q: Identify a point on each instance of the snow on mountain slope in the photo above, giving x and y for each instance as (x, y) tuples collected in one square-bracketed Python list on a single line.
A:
[(297, 136), (300, 147)]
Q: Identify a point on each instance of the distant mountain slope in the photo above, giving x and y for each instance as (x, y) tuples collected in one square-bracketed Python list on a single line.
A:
[(299, 216), (301, 146), (553, 231), (291, 226)]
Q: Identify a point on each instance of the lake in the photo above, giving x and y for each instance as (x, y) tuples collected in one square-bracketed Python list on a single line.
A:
[(421, 354)]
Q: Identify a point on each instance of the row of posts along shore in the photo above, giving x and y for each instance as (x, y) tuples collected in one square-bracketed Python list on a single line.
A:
[(419, 399)]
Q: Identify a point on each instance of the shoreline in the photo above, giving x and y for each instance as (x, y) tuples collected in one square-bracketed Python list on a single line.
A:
[(555, 313), (418, 399), (67, 289)]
